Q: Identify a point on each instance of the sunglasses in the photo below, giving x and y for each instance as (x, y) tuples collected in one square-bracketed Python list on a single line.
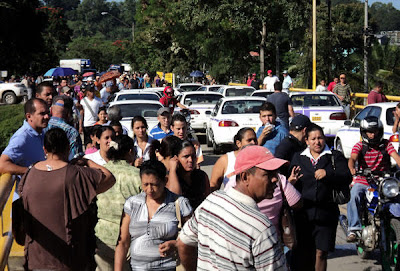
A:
[(169, 92), (342, 77)]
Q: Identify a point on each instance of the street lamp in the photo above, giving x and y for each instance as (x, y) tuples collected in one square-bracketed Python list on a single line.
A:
[(124, 23)]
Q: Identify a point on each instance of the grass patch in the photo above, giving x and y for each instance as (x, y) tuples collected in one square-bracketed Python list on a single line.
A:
[(11, 118)]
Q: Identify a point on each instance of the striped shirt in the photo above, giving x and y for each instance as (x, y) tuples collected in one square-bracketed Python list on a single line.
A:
[(147, 234), (157, 133), (372, 159), (232, 234)]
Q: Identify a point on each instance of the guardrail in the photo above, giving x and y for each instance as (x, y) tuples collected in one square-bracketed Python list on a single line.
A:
[(353, 105), (7, 187)]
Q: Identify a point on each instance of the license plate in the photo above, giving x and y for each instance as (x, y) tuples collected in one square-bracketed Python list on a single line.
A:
[(316, 119)]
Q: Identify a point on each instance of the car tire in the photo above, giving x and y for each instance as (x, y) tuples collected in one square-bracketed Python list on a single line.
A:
[(339, 146), (208, 140), (216, 148), (9, 98)]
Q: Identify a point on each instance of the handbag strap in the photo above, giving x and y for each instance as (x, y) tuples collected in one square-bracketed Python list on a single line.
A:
[(282, 191), (90, 108), (333, 162), (178, 214)]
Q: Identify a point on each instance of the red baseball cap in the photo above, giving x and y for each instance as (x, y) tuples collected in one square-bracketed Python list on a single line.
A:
[(256, 156), (269, 71)]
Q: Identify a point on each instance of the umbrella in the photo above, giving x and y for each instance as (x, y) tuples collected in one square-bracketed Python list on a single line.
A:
[(87, 74), (109, 76), (197, 74), (60, 72)]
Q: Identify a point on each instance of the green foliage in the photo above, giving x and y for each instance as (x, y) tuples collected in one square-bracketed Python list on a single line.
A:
[(12, 117), (102, 52), (386, 16)]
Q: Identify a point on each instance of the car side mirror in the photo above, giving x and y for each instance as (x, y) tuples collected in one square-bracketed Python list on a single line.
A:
[(190, 103), (347, 122)]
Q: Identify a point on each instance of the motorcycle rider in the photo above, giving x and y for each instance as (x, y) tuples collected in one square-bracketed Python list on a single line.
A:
[(168, 100), (372, 152)]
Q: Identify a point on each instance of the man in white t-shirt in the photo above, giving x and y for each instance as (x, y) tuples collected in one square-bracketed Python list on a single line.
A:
[(90, 108), (105, 92), (269, 81)]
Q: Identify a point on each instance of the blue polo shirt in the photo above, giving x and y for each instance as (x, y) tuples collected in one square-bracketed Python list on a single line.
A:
[(26, 146), (275, 137), (158, 133)]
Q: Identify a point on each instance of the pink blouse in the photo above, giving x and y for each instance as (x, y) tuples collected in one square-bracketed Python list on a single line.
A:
[(272, 207)]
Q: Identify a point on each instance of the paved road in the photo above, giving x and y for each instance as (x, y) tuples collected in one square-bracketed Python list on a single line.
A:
[(344, 258)]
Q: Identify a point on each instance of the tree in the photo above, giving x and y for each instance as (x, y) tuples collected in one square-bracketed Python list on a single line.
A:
[(20, 28), (386, 16)]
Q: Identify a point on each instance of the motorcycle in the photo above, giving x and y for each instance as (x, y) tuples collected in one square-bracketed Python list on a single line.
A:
[(190, 131), (380, 219)]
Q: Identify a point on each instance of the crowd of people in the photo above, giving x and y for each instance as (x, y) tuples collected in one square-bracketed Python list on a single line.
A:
[(113, 202)]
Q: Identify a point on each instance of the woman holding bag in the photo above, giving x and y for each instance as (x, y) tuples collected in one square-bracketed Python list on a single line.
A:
[(316, 222)]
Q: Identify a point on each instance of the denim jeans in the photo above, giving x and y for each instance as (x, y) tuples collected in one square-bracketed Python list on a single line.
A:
[(357, 194)]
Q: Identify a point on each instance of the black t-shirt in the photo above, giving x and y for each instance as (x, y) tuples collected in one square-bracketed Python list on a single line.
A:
[(256, 84), (135, 83), (281, 101)]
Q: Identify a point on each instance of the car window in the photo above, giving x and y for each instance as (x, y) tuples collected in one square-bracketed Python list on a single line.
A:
[(231, 92), (213, 88), (262, 94), (360, 116), (202, 99), (390, 116), (188, 88), (375, 111), (202, 89), (314, 100), (138, 96), (216, 108), (242, 107), (144, 110)]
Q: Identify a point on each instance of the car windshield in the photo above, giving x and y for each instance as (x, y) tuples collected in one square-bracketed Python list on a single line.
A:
[(390, 116), (314, 100), (188, 88), (264, 94), (138, 96), (202, 99), (213, 88), (242, 107), (144, 110), (230, 92)]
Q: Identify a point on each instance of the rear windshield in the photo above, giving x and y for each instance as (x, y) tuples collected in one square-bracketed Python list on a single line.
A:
[(137, 96), (144, 110), (242, 107), (188, 88), (230, 92), (202, 99), (262, 94), (314, 100)]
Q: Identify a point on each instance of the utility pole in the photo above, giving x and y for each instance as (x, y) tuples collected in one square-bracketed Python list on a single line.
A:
[(314, 45), (262, 47), (366, 33)]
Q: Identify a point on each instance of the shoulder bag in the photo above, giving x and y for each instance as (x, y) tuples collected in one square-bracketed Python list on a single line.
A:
[(18, 216), (286, 221), (179, 266), (340, 192)]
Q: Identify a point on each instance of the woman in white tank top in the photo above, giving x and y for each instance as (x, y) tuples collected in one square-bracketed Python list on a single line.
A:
[(226, 163)]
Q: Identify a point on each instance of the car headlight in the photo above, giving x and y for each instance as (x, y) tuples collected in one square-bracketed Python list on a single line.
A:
[(390, 188)]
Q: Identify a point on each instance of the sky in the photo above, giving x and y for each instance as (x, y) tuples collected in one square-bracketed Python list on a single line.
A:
[(396, 3)]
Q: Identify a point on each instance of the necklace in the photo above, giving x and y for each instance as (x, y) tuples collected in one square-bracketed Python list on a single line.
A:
[(49, 168)]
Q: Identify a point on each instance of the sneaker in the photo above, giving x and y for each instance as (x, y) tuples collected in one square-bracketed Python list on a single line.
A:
[(351, 237)]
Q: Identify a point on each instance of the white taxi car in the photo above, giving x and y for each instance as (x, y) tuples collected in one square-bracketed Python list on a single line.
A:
[(136, 94), (131, 108), (229, 116), (200, 104), (323, 108), (183, 87), (232, 91), (209, 88), (349, 134)]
